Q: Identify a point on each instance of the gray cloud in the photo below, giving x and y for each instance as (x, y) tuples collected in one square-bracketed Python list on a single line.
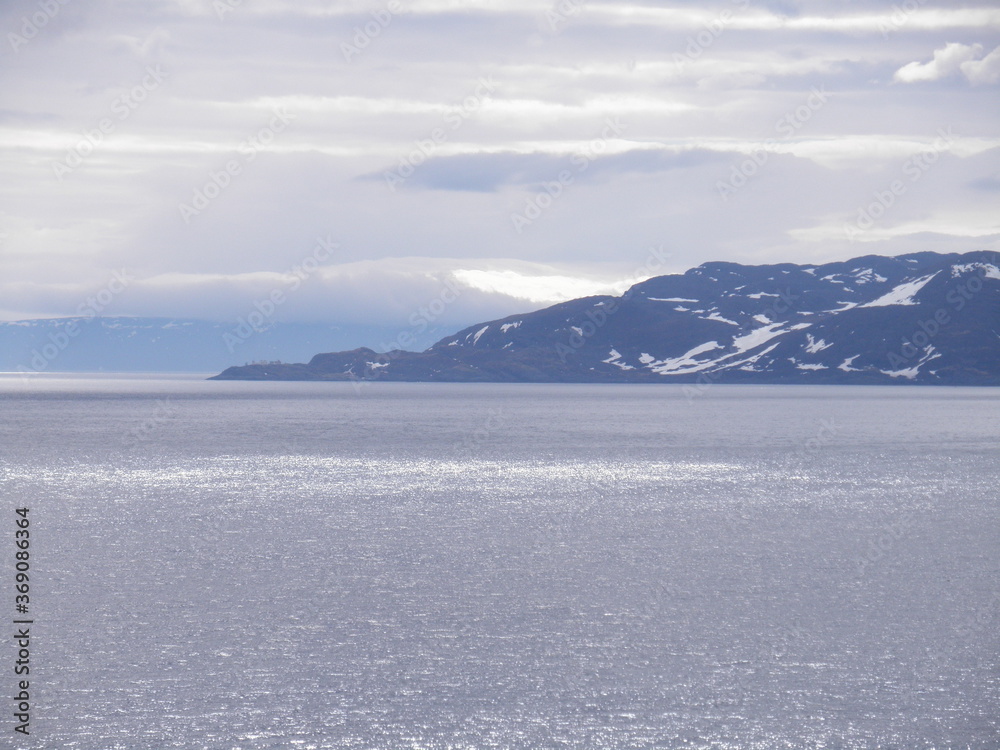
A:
[(491, 172)]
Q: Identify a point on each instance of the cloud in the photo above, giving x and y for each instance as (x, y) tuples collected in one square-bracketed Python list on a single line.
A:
[(697, 94), (952, 223), (491, 172), (953, 58), (983, 71), (380, 292), (987, 184), (541, 289)]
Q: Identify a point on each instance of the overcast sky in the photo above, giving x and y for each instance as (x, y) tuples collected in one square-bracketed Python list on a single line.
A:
[(519, 152)]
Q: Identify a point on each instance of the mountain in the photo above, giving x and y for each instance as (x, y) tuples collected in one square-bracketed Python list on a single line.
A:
[(924, 318), (128, 344)]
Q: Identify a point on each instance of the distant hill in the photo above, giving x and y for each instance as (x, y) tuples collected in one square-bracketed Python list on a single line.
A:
[(924, 318), (126, 344)]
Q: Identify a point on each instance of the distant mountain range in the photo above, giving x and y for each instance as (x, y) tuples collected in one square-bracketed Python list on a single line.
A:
[(127, 344), (924, 318)]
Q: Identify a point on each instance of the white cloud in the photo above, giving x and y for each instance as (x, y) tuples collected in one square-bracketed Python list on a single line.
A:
[(952, 223), (986, 70), (737, 14), (764, 20), (381, 292), (953, 58), (947, 60), (543, 289)]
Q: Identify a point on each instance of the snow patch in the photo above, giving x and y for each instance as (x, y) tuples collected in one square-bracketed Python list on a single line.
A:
[(866, 275), (479, 333), (715, 316), (903, 294), (670, 299), (846, 364), (757, 337), (816, 346), (507, 326), (613, 358), (989, 271), (763, 319), (911, 372), (803, 366), (686, 360), (758, 295), (747, 364)]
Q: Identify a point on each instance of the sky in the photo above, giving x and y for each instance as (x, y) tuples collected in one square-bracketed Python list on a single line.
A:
[(362, 163)]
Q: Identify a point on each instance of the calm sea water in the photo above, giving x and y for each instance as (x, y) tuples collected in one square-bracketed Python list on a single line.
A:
[(306, 565)]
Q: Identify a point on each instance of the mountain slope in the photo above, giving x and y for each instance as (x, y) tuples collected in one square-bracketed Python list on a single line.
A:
[(921, 318)]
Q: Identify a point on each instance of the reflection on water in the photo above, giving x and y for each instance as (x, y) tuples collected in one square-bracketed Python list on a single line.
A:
[(601, 567)]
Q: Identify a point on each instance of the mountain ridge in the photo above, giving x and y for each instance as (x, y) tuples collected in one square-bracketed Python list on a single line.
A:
[(921, 318)]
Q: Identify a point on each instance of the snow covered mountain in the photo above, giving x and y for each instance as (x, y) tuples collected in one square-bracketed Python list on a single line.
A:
[(924, 318)]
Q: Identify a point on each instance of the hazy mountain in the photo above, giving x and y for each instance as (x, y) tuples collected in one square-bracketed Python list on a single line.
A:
[(921, 318), (123, 344)]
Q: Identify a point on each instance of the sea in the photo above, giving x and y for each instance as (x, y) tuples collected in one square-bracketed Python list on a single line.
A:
[(255, 565)]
